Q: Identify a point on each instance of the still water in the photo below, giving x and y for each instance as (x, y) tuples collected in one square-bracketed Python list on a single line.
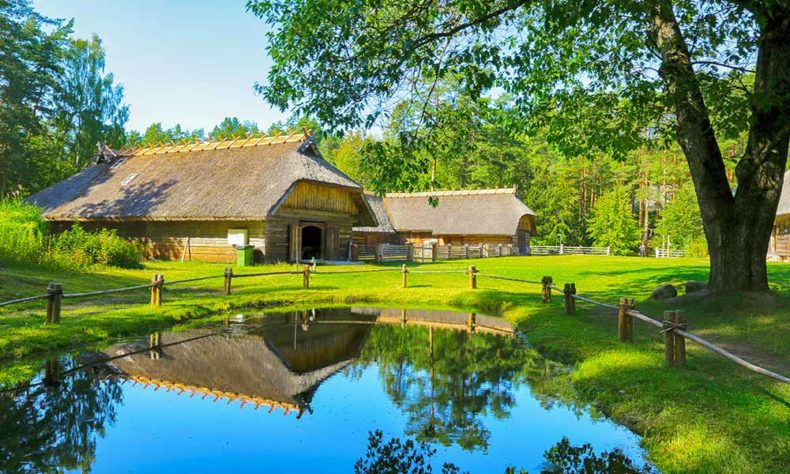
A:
[(302, 392)]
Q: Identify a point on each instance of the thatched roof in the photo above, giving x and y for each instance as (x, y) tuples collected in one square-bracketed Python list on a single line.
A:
[(784, 200), (474, 212), (234, 179), (377, 205), (274, 366)]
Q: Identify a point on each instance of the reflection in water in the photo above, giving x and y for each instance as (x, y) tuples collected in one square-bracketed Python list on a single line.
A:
[(449, 376), (54, 424)]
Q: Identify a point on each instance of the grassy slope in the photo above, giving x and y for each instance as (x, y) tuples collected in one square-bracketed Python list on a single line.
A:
[(710, 417)]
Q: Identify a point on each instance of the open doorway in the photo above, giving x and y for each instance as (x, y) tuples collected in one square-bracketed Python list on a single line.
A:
[(312, 240)]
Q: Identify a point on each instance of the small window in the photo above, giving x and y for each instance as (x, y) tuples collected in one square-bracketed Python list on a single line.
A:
[(118, 163), (128, 179), (237, 237)]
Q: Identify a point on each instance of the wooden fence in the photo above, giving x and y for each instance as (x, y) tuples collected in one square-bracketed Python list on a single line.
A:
[(673, 327), (670, 253), (568, 250), (430, 252)]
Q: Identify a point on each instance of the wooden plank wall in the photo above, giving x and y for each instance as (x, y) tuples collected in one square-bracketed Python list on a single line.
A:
[(782, 236), (308, 196)]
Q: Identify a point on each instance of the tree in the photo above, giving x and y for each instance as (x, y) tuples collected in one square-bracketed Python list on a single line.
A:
[(606, 76), (612, 223), (680, 221), (232, 127)]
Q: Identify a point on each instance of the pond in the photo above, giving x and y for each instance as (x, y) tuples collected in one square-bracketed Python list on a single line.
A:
[(305, 391)]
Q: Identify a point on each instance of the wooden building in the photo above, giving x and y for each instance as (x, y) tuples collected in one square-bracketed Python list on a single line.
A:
[(780, 239), (484, 216), (197, 200)]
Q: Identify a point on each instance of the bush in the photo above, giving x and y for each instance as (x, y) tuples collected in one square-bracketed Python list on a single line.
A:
[(697, 248), (78, 248), (22, 232), (24, 239)]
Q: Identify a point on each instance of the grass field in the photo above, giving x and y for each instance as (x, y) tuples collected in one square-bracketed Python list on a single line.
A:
[(710, 417)]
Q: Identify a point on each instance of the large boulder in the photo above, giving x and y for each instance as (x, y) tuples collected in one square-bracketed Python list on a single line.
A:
[(695, 286), (664, 292)]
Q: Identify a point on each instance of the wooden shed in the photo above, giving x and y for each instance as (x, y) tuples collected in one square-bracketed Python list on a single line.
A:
[(780, 239), (195, 201), (482, 216)]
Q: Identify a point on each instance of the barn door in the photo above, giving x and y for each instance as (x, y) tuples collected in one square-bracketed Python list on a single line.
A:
[(330, 249), (294, 243)]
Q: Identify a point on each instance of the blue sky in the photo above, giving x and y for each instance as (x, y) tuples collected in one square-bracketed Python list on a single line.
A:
[(191, 62)]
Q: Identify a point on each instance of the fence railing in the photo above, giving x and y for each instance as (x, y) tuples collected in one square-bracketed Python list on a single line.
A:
[(674, 326), (670, 253), (568, 250), (430, 252)]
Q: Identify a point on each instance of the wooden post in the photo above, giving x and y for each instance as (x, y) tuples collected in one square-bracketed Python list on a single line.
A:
[(669, 339), (466, 251), (409, 252), (306, 277), (547, 281), (680, 341), (499, 254), (403, 272), (625, 323), (449, 251), (570, 301), (54, 298), (434, 251), (472, 277), (472, 322), (354, 252), (403, 317), (156, 289), (228, 278)]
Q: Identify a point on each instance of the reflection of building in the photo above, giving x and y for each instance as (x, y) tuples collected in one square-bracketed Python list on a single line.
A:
[(437, 319), (780, 238), (279, 364)]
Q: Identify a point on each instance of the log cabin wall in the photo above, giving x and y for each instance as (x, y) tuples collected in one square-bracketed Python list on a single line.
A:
[(781, 237), (371, 239)]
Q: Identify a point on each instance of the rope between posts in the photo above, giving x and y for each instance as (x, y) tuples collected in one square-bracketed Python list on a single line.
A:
[(104, 292), (439, 271), (497, 277), (241, 275), (189, 280), (24, 300)]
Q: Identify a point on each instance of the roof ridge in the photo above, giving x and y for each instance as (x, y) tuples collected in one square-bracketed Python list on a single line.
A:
[(462, 192), (210, 145)]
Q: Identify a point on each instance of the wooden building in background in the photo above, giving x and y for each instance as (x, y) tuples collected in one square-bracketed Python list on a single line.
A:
[(196, 201), (780, 239), (483, 216)]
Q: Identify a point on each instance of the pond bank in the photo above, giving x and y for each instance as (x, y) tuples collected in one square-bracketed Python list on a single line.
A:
[(712, 416)]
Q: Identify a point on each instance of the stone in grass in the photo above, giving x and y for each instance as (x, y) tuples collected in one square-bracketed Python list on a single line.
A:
[(695, 286), (664, 292)]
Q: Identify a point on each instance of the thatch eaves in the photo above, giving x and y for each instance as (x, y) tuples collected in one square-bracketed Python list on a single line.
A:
[(473, 212), (376, 204), (230, 180), (784, 200)]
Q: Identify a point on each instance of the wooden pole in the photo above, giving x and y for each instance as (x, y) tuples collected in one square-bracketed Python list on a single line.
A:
[(228, 279), (466, 251), (625, 327), (570, 301), (403, 272), (680, 341), (306, 277), (472, 322), (434, 251), (472, 277), (54, 298), (409, 253), (669, 339), (547, 281)]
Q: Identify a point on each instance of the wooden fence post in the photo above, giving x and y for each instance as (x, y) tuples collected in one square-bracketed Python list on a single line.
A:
[(54, 298), (306, 277), (680, 342), (669, 339), (409, 252), (472, 322), (499, 254), (625, 325), (228, 278), (570, 301), (434, 251), (547, 281), (449, 251), (354, 252), (510, 249), (472, 277), (157, 282), (403, 272), (466, 251)]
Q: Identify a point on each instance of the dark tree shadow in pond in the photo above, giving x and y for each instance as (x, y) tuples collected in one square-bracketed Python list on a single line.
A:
[(53, 426)]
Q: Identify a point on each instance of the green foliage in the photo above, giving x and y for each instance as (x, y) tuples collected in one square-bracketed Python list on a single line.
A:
[(681, 222), (568, 459), (612, 223), (78, 248), (231, 128), (398, 457), (22, 231)]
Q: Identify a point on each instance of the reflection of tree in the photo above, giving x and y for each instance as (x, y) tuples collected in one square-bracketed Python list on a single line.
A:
[(53, 426), (448, 381)]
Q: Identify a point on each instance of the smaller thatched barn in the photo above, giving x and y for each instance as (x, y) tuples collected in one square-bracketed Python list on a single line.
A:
[(483, 216), (780, 240), (195, 201)]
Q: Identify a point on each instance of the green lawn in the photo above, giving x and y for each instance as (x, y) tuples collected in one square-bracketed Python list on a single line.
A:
[(711, 417)]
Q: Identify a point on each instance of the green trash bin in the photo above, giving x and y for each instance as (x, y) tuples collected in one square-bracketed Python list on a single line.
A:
[(244, 255)]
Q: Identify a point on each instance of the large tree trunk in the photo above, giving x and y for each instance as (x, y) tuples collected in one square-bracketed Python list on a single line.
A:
[(737, 227)]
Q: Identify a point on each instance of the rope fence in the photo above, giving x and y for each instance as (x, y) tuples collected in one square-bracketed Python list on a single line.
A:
[(673, 326)]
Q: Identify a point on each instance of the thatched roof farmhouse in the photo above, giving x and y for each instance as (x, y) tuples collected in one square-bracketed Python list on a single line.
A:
[(488, 216), (195, 200), (780, 240)]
